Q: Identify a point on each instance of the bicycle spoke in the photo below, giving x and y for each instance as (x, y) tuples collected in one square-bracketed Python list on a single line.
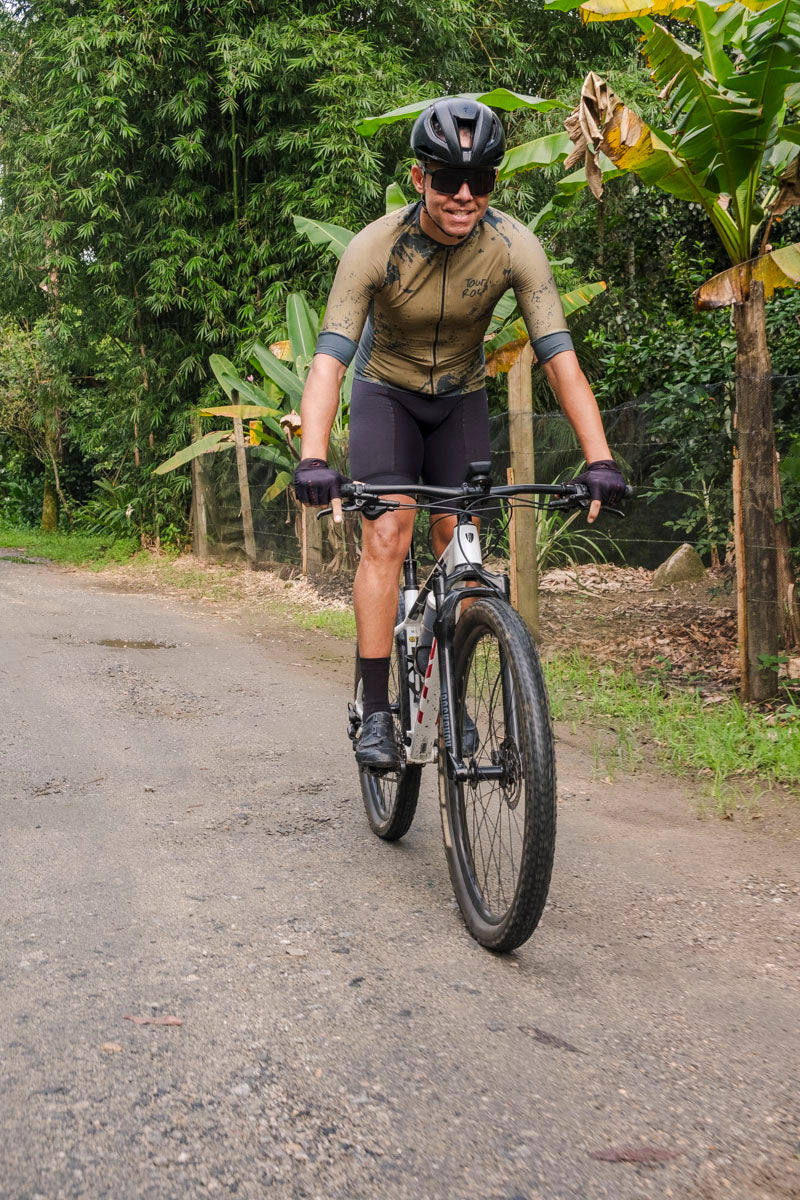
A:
[(495, 835)]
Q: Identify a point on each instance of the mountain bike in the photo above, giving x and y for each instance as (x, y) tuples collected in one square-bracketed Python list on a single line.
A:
[(467, 692)]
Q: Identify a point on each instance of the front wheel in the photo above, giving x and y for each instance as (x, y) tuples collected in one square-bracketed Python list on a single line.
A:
[(500, 833), (390, 799)]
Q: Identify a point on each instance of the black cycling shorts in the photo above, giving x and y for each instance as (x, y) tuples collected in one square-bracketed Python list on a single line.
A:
[(405, 438)]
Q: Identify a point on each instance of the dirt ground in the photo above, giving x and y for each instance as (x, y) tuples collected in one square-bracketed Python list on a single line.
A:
[(684, 635), (215, 979)]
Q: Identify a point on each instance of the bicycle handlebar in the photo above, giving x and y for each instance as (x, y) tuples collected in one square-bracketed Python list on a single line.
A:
[(357, 496)]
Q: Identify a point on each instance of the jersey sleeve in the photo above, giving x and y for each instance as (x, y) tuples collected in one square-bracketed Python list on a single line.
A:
[(537, 296), (359, 276)]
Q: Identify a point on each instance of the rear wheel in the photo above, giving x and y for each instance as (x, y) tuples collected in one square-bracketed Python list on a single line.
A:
[(390, 798), (500, 833)]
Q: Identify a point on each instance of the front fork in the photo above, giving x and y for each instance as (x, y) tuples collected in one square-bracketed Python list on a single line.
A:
[(444, 627)]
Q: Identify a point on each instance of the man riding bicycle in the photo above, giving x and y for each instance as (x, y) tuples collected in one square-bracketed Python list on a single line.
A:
[(411, 301)]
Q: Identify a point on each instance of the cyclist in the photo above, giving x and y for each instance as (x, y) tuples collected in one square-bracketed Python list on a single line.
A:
[(411, 301)]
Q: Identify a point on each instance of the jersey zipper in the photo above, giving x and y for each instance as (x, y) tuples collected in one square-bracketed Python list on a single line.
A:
[(441, 316)]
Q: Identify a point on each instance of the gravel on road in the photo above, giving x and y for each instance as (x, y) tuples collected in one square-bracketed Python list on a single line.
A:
[(216, 980)]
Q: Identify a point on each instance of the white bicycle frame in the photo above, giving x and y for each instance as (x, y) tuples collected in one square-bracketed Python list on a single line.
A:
[(464, 549)]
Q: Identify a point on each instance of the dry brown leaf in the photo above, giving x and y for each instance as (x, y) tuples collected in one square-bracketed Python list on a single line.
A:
[(789, 189), (776, 269)]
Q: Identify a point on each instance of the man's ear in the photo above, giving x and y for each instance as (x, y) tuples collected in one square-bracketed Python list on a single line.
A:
[(418, 178)]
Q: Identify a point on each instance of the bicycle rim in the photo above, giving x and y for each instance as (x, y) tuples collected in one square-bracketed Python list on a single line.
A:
[(500, 834)]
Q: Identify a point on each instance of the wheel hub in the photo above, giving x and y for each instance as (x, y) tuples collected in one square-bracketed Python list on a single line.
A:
[(507, 757)]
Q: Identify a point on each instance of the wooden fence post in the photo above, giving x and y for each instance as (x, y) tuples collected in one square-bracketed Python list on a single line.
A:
[(523, 534), (312, 542), (741, 579), (199, 510), (244, 492)]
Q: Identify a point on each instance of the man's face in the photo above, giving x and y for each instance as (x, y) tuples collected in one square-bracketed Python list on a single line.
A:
[(457, 215)]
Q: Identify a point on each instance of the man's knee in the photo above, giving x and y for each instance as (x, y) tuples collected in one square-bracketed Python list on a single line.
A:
[(386, 540)]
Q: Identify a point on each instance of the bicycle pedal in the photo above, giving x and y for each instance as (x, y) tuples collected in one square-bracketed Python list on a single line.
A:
[(353, 723)]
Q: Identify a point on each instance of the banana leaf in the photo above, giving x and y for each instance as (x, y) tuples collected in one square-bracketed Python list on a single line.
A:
[(303, 331), (581, 296), (570, 185), (720, 130), (287, 381), (541, 152), (281, 456), (621, 10), (245, 412), (217, 440), (231, 381), (395, 198), (498, 98), (630, 145), (322, 233), (515, 333), (503, 309), (282, 481), (237, 388), (777, 269)]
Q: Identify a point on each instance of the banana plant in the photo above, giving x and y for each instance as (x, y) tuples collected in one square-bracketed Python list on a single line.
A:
[(731, 95), (270, 407)]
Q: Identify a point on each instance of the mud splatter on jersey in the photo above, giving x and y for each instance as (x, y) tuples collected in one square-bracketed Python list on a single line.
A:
[(414, 312)]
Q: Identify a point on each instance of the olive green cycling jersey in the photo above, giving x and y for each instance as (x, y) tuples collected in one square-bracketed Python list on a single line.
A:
[(414, 312)]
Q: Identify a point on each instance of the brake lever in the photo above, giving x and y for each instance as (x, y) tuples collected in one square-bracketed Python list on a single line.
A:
[(573, 501), (582, 502), (369, 511)]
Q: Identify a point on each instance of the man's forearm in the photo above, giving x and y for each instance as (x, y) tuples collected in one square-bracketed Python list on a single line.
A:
[(576, 398), (320, 405)]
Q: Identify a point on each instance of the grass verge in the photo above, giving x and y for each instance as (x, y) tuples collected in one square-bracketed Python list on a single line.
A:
[(76, 549), (721, 743)]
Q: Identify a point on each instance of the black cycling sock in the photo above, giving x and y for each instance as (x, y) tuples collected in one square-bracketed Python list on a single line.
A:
[(375, 674)]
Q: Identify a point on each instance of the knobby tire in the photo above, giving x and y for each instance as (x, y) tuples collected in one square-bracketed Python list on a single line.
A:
[(500, 836)]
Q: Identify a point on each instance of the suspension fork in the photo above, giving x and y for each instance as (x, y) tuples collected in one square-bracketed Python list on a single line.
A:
[(444, 626)]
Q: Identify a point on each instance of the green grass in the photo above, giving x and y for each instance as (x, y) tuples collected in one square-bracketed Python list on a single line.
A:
[(721, 743), (335, 622), (77, 549), (215, 583)]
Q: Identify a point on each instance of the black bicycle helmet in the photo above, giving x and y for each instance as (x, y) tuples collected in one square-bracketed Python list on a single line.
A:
[(435, 136)]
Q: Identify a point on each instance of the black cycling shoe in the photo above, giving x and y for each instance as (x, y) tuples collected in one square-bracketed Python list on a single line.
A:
[(377, 748)]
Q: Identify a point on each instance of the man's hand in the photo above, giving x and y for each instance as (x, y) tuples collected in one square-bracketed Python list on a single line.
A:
[(605, 482), (316, 483)]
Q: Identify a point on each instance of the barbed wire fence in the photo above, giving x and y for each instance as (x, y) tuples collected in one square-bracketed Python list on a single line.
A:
[(644, 539)]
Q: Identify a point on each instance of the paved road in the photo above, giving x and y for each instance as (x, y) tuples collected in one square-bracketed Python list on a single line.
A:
[(181, 837)]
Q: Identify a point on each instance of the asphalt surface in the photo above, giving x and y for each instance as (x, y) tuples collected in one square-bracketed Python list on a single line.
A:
[(182, 836)]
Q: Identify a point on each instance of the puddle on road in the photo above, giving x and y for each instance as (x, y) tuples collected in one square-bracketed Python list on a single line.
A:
[(17, 556), (123, 644)]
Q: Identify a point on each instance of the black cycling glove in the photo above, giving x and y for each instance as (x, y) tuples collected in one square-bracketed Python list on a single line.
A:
[(315, 482), (604, 480)]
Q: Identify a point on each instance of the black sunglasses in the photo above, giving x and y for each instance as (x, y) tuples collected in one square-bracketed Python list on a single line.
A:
[(448, 180)]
